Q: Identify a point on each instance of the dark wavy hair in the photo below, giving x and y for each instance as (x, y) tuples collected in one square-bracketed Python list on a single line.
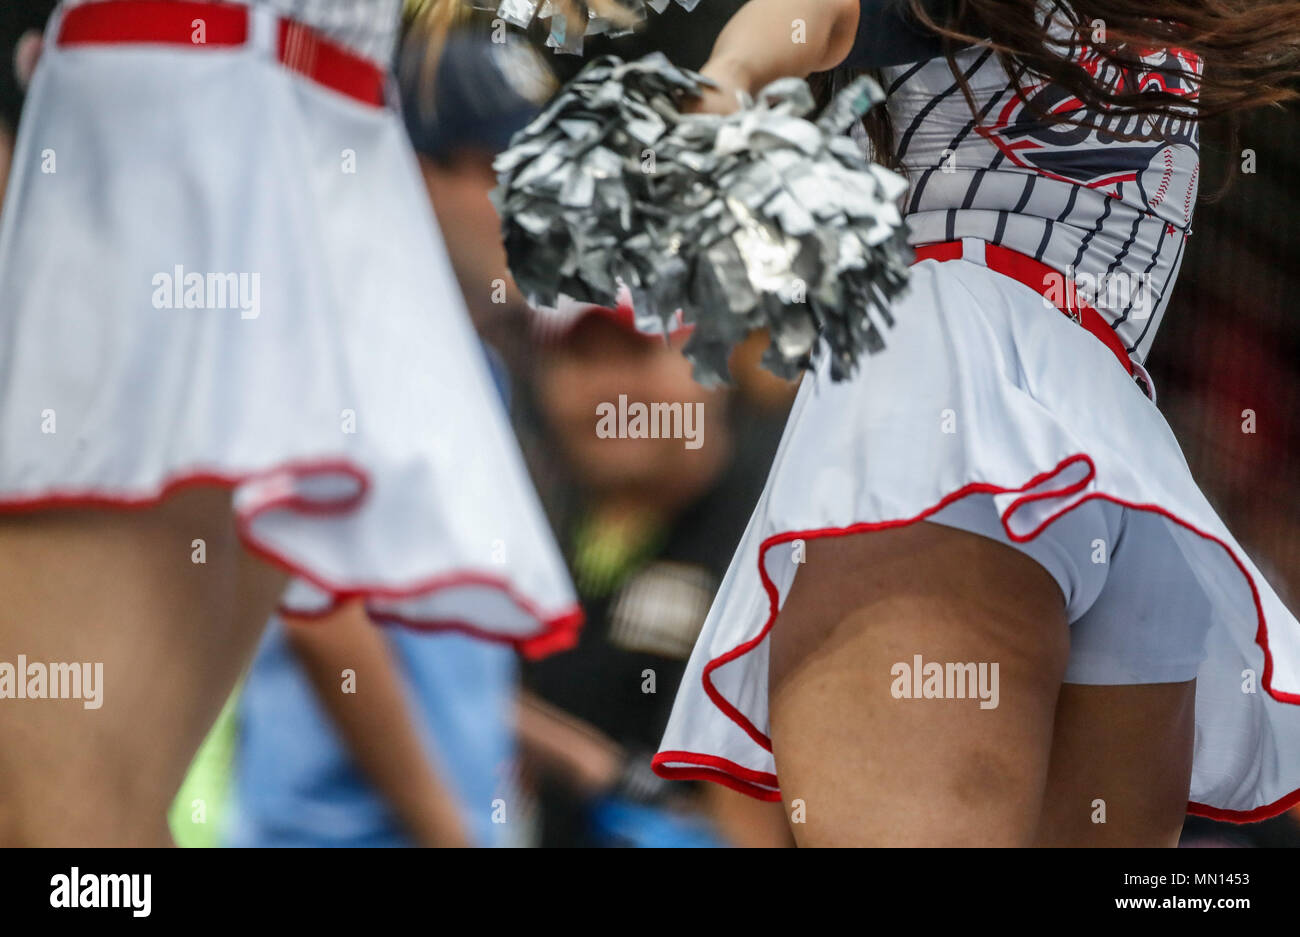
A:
[(1249, 51), (1250, 48)]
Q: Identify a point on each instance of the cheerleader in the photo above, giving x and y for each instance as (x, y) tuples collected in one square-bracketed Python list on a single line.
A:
[(981, 600), (232, 350)]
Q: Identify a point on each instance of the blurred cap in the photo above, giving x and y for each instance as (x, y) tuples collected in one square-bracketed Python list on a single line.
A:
[(480, 93), (552, 325)]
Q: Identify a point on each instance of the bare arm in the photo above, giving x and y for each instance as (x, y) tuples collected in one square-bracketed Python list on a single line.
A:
[(376, 722), (566, 746), (770, 39)]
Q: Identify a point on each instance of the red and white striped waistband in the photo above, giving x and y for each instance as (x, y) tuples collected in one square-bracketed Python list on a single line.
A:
[(197, 23), (1046, 281)]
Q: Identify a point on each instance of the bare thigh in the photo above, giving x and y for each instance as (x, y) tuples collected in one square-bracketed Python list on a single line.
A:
[(859, 766), (1121, 765), (121, 589)]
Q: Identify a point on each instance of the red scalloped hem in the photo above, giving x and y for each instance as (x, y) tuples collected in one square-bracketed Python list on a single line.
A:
[(764, 786), (558, 630), (757, 784)]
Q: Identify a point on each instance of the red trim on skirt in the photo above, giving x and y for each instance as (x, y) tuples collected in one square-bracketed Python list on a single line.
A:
[(764, 785), (558, 630)]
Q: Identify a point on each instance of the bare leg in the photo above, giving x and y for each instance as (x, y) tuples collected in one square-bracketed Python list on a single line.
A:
[(120, 588), (871, 769), (1122, 753)]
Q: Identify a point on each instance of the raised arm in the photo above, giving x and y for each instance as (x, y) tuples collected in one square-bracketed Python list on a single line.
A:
[(770, 39)]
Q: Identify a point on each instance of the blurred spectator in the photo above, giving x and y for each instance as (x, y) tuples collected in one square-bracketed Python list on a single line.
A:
[(319, 766), (484, 93), (649, 526), (572, 753)]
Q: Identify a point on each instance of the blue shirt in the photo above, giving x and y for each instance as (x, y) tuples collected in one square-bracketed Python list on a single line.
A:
[(297, 785)]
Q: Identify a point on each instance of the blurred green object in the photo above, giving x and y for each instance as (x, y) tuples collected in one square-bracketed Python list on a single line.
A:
[(198, 814)]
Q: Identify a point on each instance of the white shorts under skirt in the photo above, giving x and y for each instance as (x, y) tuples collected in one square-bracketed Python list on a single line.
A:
[(1089, 551), (345, 399), (994, 414)]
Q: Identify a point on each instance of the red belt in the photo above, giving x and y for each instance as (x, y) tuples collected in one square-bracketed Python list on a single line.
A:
[(195, 23), (1040, 278)]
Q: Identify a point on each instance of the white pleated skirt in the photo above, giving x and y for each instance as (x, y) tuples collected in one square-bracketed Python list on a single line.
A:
[(215, 270), (985, 393)]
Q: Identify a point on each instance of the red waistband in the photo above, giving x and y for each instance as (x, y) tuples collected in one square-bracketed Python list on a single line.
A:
[(1042, 279), (196, 23)]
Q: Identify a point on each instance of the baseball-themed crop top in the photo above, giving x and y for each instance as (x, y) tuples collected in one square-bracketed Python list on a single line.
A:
[(1083, 197)]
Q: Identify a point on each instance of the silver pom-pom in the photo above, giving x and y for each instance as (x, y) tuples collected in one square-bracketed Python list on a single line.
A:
[(572, 20), (757, 219)]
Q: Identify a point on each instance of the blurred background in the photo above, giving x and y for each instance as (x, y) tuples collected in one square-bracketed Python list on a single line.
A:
[(556, 753), (1229, 351)]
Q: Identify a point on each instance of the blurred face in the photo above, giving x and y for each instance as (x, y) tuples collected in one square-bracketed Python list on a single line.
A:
[(580, 381)]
